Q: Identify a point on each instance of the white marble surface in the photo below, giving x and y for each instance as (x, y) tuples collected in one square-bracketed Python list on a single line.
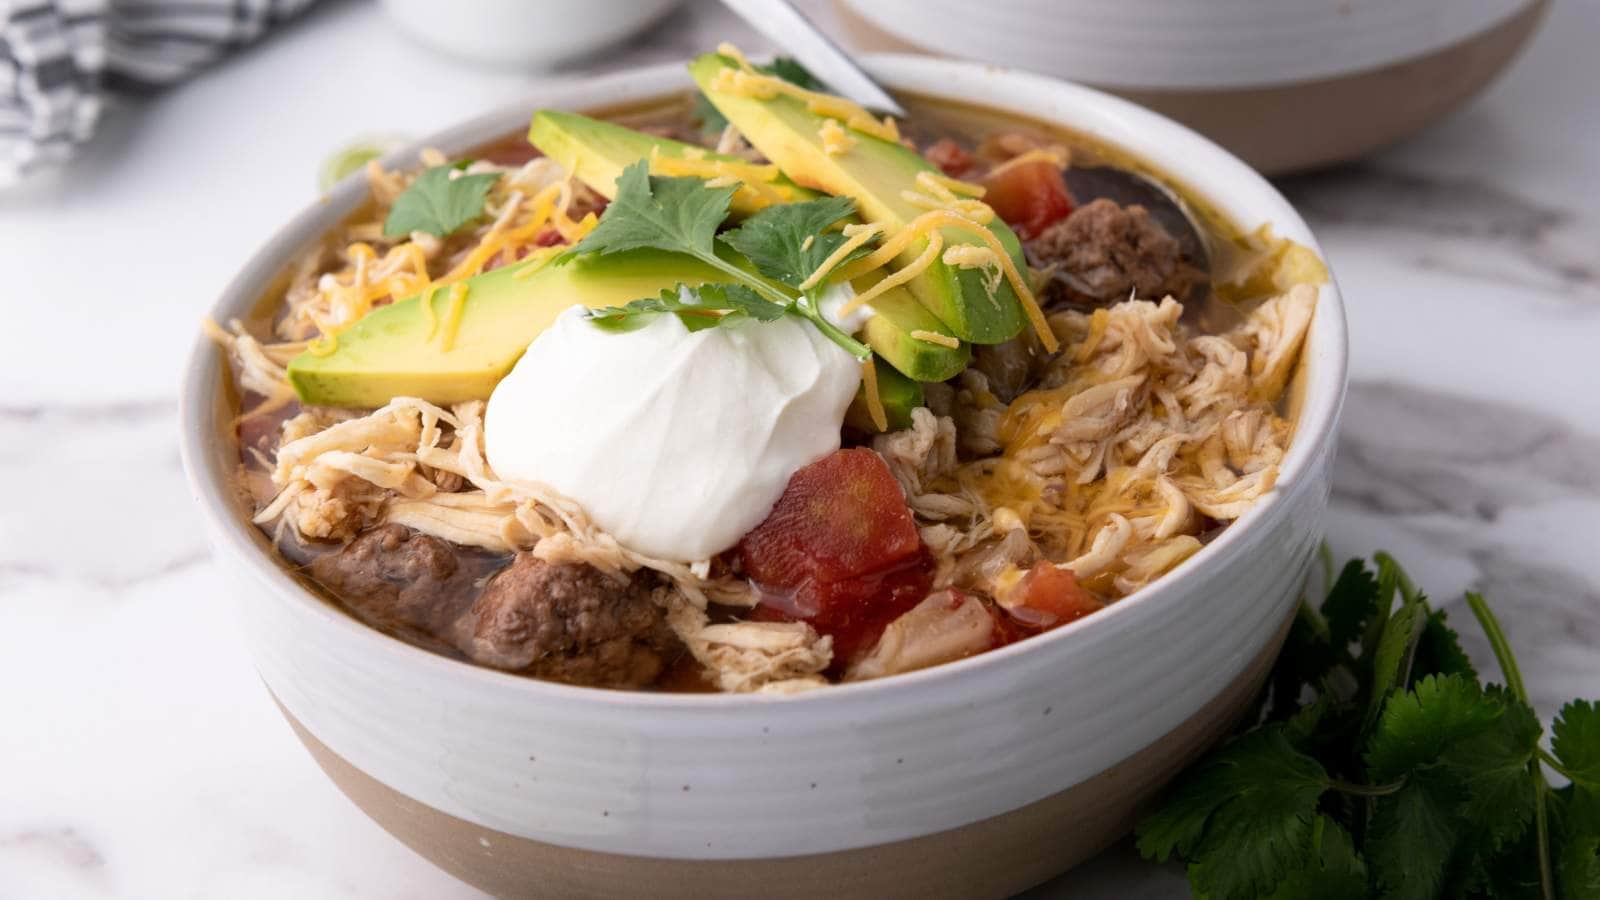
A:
[(139, 756)]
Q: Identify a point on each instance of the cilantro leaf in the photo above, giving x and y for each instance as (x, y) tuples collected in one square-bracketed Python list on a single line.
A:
[(1577, 814), (679, 215), (1333, 870), (1417, 726), (1350, 603), (1414, 832), (1244, 817), (682, 215), (1391, 661), (1306, 658), (1439, 650), (437, 203), (1493, 765), (1575, 739), (1430, 785), (789, 241), (708, 306)]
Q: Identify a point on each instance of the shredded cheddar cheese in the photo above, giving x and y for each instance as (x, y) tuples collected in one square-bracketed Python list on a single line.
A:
[(747, 81), (953, 185), (757, 182), (968, 256), (426, 299), (835, 141), (869, 389), (452, 316), (1055, 155), (924, 226), (905, 274), (856, 236), (934, 337)]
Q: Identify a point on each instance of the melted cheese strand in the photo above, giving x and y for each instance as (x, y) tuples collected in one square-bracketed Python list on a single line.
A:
[(924, 224), (869, 388), (953, 185), (934, 337), (1056, 156), (835, 140), (906, 273), (856, 236), (452, 316), (751, 83), (427, 309)]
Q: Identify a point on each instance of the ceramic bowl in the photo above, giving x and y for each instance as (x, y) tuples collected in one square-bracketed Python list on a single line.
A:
[(520, 34), (976, 778), (1285, 84)]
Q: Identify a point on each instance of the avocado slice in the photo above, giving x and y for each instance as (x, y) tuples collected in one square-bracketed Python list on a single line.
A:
[(889, 335), (389, 353), (874, 172), (596, 152), (900, 395)]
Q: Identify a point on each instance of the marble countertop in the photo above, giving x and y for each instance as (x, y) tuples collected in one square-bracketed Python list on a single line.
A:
[(139, 756)]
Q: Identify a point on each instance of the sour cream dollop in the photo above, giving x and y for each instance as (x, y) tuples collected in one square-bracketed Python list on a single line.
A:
[(677, 443)]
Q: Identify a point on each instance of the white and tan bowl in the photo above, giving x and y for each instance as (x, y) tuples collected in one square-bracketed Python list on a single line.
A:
[(1285, 84), (973, 779)]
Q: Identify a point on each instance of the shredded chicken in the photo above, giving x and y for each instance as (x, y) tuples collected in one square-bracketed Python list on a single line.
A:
[(771, 657), (946, 626), (1142, 436), (260, 367)]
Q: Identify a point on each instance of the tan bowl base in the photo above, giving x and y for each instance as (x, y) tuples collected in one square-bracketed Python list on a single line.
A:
[(1313, 123), (995, 857)]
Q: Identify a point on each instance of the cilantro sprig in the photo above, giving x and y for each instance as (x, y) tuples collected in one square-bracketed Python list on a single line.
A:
[(707, 306), (683, 214), (1381, 766), (439, 201)]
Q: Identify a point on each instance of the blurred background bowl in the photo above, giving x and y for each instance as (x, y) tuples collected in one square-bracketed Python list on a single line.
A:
[(534, 34), (1286, 84)]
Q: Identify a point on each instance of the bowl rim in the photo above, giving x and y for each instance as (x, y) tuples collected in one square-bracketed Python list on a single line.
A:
[(1070, 105)]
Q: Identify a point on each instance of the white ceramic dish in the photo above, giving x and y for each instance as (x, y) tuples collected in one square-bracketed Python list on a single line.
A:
[(1033, 755), (523, 34), (1286, 84)]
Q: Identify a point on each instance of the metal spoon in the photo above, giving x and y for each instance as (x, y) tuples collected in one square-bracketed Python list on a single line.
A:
[(781, 23), (1087, 183), (786, 27)]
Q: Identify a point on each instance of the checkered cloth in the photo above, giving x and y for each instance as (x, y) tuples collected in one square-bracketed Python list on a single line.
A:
[(58, 58)]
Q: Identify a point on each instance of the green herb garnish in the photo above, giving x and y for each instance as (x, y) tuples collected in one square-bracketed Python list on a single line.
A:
[(789, 241), (438, 204), (682, 215), (707, 306), (1382, 767)]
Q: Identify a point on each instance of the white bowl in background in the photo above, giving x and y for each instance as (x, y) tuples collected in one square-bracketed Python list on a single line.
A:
[(975, 778), (535, 35), (1286, 84)]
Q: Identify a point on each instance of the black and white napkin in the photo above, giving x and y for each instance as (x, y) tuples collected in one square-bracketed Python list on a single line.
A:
[(59, 58)]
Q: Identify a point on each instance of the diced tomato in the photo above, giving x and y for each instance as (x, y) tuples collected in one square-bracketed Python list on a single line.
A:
[(839, 550), (854, 611), (1050, 596), (949, 156), (1029, 196), (548, 238), (840, 517)]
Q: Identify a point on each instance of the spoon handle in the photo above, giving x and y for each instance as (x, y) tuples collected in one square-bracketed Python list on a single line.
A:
[(793, 33)]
